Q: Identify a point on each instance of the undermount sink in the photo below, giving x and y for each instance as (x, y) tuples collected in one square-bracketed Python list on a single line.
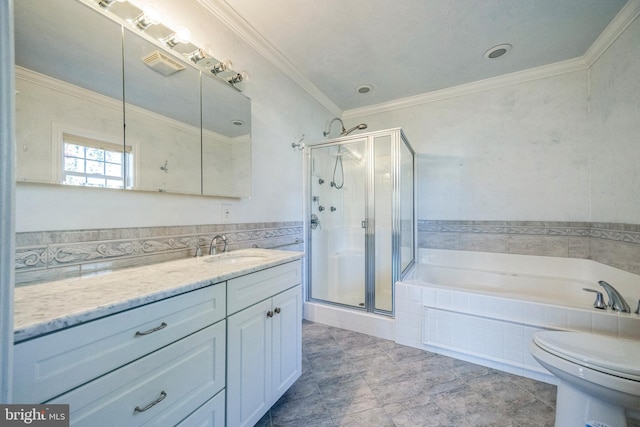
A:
[(235, 258)]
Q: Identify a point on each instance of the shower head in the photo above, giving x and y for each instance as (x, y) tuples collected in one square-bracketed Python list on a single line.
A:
[(361, 126)]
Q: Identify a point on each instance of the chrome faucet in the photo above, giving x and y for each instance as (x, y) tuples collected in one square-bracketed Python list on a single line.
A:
[(616, 302), (198, 251), (212, 246)]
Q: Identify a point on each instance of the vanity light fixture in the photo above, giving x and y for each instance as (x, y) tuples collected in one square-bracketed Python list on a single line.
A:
[(202, 56), (180, 35), (149, 16), (107, 3), (240, 77), (221, 67), (197, 55)]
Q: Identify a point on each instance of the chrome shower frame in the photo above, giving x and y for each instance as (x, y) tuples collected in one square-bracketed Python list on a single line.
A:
[(398, 140)]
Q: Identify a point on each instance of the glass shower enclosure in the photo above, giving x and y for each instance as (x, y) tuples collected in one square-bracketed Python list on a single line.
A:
[(361, 236)]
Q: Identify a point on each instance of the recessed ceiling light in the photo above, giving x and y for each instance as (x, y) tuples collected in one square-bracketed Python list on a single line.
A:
[(497, 51), (237, 122), (364, 88)]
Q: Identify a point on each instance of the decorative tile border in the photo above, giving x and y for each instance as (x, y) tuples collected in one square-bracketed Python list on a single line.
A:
[(42, 256), (506, 227), (613, 244), (626, 233)]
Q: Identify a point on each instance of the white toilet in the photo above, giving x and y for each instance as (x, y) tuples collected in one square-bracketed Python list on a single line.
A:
[(599, 377)]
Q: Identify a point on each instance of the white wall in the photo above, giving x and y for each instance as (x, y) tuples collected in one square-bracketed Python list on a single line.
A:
[(281, 113), (519, 152), (562, 148), (615, 111)]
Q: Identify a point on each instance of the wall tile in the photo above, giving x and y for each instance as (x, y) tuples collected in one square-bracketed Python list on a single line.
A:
[(614, 244), (43, 256), (544, 245), (484, 242), (578, 247), (619, 254)]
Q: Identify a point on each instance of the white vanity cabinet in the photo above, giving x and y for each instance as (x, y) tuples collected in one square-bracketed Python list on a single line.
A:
[(166, 359), (264, 340), (219, 355)]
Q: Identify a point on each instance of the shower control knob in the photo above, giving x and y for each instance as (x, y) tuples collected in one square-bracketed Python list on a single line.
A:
[(333, 209), (320, 208)]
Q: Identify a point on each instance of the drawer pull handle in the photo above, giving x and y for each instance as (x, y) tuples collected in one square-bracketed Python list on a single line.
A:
[(277, 310), (163, 394), (150, 331), (269, 313)]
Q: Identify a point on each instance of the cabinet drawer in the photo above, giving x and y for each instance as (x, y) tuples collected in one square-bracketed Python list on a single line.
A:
[(211, 414), (48, 366), (247, 290), (160, 389)]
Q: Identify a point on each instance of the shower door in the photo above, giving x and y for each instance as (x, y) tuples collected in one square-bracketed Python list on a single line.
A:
[(338, 209), (361, 205)]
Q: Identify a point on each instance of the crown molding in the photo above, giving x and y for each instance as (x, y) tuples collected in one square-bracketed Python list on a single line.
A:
[(616, 27), (225, 13), (52, 83), (537, 73)]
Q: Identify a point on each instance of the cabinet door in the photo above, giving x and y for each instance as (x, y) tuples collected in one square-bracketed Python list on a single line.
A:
[(211, 414), (249, 365), (286, 343)]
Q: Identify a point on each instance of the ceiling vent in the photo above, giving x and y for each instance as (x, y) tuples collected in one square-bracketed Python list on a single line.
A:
[(162, 63)]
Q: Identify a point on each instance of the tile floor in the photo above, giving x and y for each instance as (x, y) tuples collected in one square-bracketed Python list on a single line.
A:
[(351, 379)]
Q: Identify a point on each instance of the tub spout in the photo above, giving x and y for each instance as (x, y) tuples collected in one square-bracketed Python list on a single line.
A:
[(616, 301)]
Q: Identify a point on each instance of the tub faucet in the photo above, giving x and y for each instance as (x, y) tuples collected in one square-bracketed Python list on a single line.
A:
[(212, 246), (616, 302)]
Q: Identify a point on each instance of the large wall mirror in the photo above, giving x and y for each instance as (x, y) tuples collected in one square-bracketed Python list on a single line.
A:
[(91, 111)]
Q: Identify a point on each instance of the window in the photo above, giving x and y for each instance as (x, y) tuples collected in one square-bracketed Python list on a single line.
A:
[(95, 163)]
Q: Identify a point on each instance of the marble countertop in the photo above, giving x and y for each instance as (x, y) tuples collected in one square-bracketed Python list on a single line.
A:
[(47, 307)]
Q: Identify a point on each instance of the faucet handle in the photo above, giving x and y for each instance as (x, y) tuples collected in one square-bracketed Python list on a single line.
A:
[(599, 302), (638, 309)]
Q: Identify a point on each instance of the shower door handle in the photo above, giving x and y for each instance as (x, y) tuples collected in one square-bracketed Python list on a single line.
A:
[(364, 224), (315, 222)]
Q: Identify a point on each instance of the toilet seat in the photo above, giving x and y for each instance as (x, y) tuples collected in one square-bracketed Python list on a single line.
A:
[(610, 355)]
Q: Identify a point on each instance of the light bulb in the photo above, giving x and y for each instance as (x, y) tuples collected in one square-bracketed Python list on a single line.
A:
[(149, 16), (183, 35), (152, 15), (180, 35)]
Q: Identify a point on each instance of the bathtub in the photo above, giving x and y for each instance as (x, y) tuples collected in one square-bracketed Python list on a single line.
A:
[(485, 307)]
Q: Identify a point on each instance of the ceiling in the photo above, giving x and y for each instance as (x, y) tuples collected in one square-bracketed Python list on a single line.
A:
[(405, 48)]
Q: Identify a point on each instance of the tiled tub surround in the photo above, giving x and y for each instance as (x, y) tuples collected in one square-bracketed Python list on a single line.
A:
[(48, 307), (617, 245), (50, 255), (485, 307)]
